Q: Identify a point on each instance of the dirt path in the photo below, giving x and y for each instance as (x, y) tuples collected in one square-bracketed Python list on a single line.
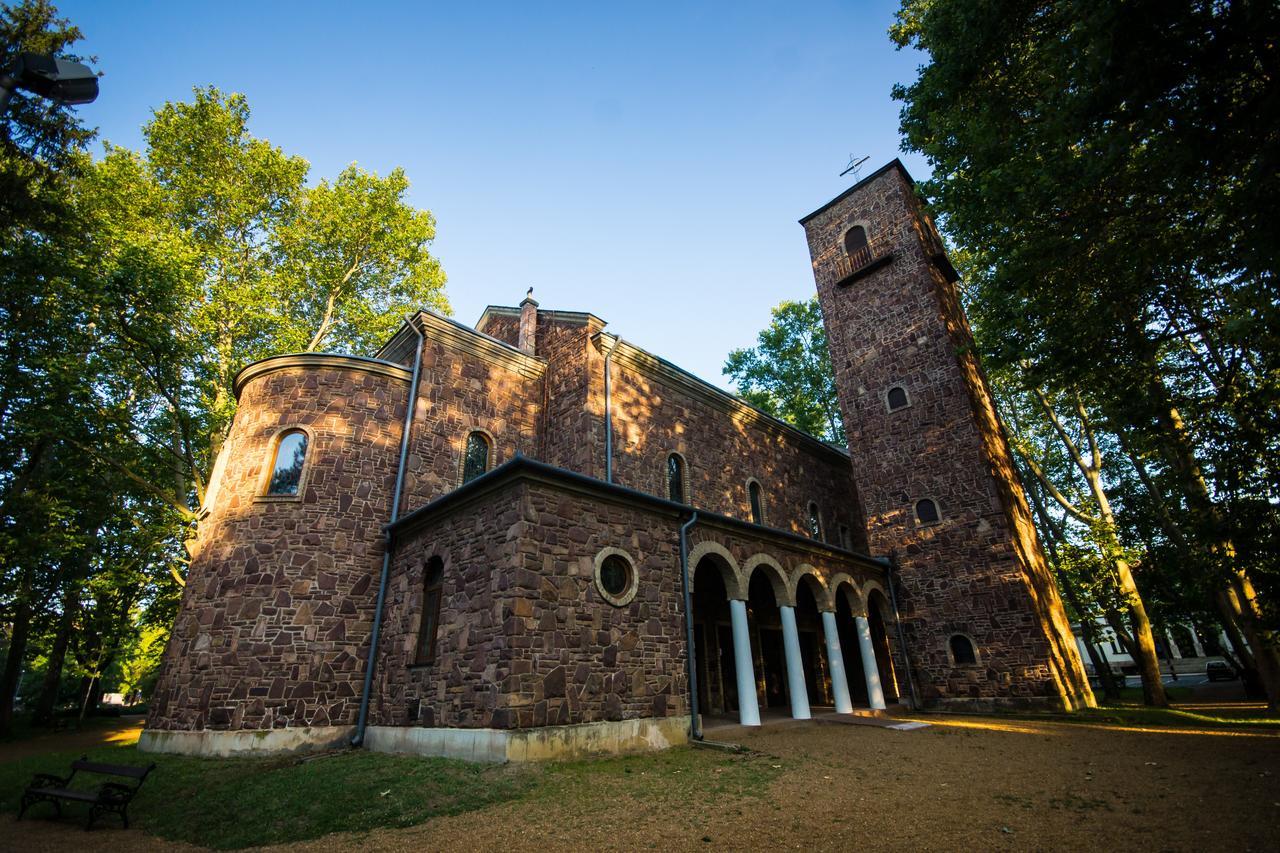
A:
[(962, 784)]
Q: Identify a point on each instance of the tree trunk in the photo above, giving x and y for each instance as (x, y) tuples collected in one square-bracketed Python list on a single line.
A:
[(1110, 690), (48, 699), (13, 663), (1143, 640), (1242, 600)]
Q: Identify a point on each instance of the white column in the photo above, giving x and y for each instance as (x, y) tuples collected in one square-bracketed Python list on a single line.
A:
[(795, 665), (874, 692), (835, 660), (1173, 647), (748, 705), (1195, 641)]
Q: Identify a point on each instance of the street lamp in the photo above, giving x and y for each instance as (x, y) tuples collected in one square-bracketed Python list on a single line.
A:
[(49, 77)]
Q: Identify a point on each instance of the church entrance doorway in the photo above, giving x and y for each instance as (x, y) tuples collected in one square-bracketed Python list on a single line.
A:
[(713, 638)]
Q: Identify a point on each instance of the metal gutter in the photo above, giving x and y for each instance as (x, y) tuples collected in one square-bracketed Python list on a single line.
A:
[(695, 723), (410, 408), (608, 414), (891, 566)]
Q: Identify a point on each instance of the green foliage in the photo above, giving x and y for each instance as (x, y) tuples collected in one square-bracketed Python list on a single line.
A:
[(1110, 173), (132, 289), (788, 373)]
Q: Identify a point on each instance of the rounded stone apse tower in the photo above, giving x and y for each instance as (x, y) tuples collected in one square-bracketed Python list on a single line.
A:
[(268, 650)]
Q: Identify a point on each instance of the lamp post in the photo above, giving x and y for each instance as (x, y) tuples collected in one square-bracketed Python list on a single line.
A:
[(61, 80)]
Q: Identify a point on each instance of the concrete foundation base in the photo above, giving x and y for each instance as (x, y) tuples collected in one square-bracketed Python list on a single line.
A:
[(222, 744), (541, 744)]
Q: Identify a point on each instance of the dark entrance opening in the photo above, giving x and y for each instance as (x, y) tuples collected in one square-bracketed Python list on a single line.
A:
[(770, 657), (813, 646), (849, 647), (713, 639)]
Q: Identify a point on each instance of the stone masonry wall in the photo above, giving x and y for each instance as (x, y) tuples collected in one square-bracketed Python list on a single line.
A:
[(573, 436), (276, 614), (525, 638), (973, 573), (477, 543), (459, 392), (652, 419)]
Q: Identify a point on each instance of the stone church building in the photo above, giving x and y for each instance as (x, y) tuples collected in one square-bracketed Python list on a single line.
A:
[(532, 538)]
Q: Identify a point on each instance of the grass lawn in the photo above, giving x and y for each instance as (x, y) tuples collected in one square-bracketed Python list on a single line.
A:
[(232, 803), (229, 803)]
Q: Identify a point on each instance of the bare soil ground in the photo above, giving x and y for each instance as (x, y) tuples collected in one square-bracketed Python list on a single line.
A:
[(963, 783)]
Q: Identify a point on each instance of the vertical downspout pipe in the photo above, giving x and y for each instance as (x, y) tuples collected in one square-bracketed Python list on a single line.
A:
[(608, 414), (695, 723), (891, 566), (411, 407)]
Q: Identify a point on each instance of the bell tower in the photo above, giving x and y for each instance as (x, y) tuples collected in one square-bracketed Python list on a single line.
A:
[(983, 621)]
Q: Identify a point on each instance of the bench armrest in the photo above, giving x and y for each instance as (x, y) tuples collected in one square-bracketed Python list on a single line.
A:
[(48, 780)]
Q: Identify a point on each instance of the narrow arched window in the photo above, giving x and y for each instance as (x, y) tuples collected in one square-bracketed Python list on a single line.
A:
[(856, 247), (962, 651), (815, 522), (757, 508), (286, 472), (896, 398), (476, 461), (433, 584), (675, 478), (927, 511)]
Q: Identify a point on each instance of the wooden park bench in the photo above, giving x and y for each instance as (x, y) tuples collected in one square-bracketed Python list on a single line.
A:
[(107, 797)]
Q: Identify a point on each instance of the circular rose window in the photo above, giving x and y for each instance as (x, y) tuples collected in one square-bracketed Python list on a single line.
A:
[(615, 576)]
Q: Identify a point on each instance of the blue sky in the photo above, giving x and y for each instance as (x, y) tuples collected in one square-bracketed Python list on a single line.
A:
[(643, 162)]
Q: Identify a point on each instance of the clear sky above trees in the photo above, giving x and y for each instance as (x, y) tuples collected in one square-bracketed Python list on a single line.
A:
[(647, 165)]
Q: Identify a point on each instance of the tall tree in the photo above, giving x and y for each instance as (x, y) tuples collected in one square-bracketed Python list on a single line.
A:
[(788, 372), (1113, 170), (218, 254), (44, 379)]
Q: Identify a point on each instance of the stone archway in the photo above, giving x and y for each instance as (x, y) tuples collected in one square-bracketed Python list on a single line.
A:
[(713, 635), (811, 600), (768, 650)]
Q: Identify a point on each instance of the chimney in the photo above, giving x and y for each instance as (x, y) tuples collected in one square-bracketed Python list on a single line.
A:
[(528, 341)]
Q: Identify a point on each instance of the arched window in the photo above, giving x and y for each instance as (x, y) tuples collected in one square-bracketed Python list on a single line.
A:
[(927, 511), (896, 398), (757, 506), (815, 522), (675, 478), (286, 472), (476, 461), (856, 247), (433, 583), (962, 651)]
